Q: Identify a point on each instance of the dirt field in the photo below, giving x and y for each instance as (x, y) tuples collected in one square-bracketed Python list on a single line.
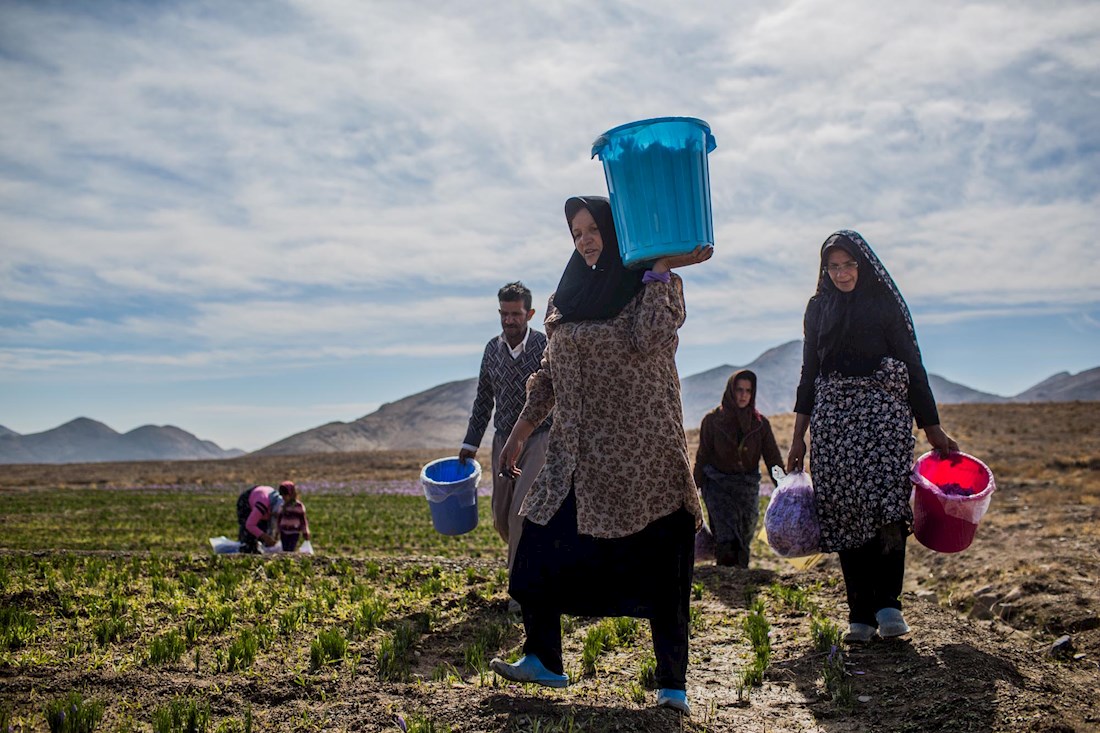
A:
[(979, 658)]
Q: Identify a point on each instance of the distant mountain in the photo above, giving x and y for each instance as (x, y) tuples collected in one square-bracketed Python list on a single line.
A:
[(437, 418), (6, 431), (86, 441), (777, 373), (1064, 387), (952, 393)]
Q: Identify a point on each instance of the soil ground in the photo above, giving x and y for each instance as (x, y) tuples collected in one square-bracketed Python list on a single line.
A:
[(979, 657)]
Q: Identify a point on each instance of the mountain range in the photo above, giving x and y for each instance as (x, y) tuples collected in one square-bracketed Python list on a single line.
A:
[(437, 417), (86, 441)]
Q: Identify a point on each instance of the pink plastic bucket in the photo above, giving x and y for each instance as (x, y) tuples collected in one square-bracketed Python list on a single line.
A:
[(950, 497)]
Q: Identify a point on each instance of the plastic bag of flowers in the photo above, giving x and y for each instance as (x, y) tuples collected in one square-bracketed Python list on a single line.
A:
[(791, 518)]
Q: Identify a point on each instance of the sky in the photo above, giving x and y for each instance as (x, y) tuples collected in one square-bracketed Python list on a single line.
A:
[(249, 219)]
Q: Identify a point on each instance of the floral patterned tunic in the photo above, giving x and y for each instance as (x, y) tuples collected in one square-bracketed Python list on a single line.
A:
[(618, 438)]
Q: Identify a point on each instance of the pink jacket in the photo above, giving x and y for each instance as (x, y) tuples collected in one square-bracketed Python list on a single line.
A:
[(260, 501)]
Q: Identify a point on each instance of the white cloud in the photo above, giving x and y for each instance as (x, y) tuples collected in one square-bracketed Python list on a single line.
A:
[(199, 184)]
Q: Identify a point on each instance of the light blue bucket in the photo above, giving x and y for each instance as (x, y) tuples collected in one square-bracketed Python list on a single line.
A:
[(450, 485), (658, 183)]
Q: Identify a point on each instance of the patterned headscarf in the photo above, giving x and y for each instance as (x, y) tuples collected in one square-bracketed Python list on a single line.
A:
[(595, 293), (874, 287)]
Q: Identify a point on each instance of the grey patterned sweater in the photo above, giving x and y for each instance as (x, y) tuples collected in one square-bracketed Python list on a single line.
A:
[(503, 381)]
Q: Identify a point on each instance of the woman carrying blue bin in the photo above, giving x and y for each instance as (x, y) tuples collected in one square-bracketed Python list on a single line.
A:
[(610, 522)]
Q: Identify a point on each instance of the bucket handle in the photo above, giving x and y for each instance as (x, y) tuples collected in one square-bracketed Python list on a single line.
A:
[(599, 144)]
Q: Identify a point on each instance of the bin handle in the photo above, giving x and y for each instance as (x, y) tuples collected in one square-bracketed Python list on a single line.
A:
[(598, 144)]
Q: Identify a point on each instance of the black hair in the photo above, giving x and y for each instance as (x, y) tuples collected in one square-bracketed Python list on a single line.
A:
[(513, 292)]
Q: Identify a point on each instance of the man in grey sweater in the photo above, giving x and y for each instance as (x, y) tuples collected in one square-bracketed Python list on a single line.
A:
[(508, 361)]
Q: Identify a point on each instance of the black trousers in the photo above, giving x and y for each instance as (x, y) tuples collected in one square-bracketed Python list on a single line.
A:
[(670, 643), (872, 580), (645, 575)]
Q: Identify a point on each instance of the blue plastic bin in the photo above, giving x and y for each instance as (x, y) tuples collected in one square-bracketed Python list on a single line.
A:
[(451, 489), (658, 182)]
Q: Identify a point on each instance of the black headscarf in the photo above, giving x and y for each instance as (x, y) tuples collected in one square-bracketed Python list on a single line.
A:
[(595, 293), (874, 289)]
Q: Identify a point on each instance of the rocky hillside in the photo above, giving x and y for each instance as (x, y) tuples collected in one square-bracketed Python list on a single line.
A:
[(87, 441), (1064, 387), (431, 419), (436, 418)]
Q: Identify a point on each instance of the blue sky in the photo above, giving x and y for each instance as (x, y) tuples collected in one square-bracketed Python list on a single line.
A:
[(248, 219)]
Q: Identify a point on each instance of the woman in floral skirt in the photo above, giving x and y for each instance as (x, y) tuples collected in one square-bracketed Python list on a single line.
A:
[(863, 382)]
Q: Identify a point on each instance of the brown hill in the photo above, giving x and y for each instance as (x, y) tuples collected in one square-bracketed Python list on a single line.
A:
[(1064, 387), (431, 419), (437, 418)]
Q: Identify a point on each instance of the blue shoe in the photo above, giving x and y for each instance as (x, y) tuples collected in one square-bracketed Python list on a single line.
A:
[(528, 669), (675, 699), (891, 623)]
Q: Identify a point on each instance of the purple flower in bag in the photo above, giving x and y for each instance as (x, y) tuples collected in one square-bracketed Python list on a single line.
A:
[(791, 517)]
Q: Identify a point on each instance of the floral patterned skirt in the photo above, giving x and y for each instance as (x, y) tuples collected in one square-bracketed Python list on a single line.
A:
[(861, 453)]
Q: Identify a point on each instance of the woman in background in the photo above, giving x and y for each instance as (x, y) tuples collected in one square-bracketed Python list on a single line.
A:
[(733, 438), (863, 382)]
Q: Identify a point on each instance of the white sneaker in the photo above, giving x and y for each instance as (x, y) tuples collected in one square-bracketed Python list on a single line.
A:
[(891, 623), (859, 634)]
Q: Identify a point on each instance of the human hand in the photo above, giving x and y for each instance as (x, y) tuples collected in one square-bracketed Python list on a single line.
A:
[(306, 535), (796, 455), (466, 453), (943, 443), (702, 253), (509, 454), (267, 539)]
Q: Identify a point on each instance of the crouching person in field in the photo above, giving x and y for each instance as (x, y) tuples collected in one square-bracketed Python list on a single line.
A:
[(292, 519), (255, 509)]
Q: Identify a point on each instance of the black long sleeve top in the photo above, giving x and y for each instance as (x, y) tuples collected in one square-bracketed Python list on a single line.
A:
[(878, 332)]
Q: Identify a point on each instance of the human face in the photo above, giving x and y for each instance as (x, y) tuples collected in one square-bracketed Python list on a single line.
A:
[(586, 237), (513, 320), (843, 269), (742, 392)]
